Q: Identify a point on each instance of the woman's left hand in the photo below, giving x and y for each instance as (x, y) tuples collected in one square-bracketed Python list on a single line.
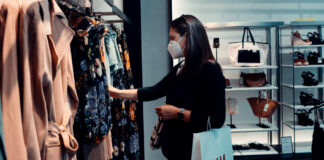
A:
[(167, 112)]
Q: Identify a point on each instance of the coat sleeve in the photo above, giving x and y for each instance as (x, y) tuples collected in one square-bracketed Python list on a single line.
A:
[(159, 89), (213, 100)]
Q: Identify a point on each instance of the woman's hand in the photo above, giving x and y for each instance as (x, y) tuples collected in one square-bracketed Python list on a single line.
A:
[(167, 112), (113, 92)]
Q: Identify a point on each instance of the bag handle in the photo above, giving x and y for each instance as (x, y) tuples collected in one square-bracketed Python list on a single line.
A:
[(208, 124), (249, 33)]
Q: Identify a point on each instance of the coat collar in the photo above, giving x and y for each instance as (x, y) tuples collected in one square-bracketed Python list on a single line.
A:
[(61, 33)]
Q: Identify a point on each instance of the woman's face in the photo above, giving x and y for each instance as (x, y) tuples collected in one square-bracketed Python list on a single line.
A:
[(175, 36)]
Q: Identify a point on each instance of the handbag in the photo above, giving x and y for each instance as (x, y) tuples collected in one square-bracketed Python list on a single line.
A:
[(212, 144), (247, 53), (155, 142), (253, 79), (262, 108)]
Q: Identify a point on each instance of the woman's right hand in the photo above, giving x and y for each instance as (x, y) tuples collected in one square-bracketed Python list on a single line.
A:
[(113, 92)]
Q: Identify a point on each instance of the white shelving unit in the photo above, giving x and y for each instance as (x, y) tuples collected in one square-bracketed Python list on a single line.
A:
[(227, 67), (296, 126), (308, 66), (321, 85), (254, 152), (291, 86), (270, 68), (252, 127), (244, 88)]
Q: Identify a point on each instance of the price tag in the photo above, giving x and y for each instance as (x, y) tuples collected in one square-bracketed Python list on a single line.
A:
[(319, 60), (286, 145), (266, 106)]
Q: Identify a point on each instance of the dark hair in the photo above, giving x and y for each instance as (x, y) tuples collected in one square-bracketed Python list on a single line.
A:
[(197, 50)]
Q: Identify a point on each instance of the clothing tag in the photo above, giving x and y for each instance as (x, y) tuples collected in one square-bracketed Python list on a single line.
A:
[(47, 19), (319, 60), (265, 109)]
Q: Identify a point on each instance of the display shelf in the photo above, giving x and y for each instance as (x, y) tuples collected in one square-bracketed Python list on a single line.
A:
[(308, 66), (303, 147), (297, 107), (229, 67), (253, 152), (305, 46), (321, 85), (244, 88), (290, 124), (231, 25), (252, 127)]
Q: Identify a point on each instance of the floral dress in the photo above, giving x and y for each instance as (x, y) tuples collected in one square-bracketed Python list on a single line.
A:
[(124, 129), (93, 118)]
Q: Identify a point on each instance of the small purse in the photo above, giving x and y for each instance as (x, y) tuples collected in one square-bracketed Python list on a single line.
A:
[(263, 108), (253, 79), (155, 142)]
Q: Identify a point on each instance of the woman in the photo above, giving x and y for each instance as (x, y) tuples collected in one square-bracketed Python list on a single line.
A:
[(194, 89)]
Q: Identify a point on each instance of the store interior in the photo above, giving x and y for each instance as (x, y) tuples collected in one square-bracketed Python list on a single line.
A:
[(291, 73)]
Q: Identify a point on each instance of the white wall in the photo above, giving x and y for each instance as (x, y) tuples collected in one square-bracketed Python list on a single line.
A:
[(155, 61)]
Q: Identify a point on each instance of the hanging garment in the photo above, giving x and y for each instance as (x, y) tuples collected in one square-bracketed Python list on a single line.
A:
[(10, 94), (124, 129), (93, 119), (49, 99), (115, 61)]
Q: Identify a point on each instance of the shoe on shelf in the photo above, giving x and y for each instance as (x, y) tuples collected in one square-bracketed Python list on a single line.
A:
[(308, 78), (303, 118), (300, 61), (314, 38), (314, 58), (307, 99), (298, 41)]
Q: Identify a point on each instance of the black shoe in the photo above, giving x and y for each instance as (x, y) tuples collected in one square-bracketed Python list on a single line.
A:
[(303, 118), (309, 79), (313, 58), (307, 99)]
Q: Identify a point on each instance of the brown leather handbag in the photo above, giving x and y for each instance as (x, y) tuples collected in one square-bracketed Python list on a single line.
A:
[(261, 107), (254, 79)]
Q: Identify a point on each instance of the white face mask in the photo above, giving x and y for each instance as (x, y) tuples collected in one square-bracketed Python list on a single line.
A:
[(175, 49)]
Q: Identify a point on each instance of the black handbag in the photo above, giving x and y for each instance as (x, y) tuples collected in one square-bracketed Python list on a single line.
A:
[(246, 55)]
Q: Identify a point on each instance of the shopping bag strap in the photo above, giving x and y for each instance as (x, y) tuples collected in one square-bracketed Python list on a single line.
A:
[(208, 124)]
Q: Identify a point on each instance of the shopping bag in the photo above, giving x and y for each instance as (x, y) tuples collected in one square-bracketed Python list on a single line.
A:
[(248, 54), (214, 144)]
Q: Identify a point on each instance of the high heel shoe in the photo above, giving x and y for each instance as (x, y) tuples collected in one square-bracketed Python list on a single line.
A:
[(309, 79), (300, 61), (307, 99), (298, 41), (303, 118), (314, 38)]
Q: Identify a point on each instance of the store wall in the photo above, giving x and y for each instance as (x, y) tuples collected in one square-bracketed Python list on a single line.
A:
[(155, 61)]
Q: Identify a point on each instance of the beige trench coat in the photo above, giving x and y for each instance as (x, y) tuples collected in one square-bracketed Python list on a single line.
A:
[(11, 107), (37, 76), (49, 97)]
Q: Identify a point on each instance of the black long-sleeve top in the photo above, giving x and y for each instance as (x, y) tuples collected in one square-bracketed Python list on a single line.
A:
[(204, 95)]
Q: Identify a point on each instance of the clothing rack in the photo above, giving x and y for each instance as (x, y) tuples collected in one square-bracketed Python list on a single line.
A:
[(316, 107), (115, 12)]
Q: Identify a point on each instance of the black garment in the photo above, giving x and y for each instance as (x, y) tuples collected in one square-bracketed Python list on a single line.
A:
[(318, 141), (204, 95)]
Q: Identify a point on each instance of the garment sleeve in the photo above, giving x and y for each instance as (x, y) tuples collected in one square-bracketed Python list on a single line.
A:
[(159, 89), (213, 100)]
